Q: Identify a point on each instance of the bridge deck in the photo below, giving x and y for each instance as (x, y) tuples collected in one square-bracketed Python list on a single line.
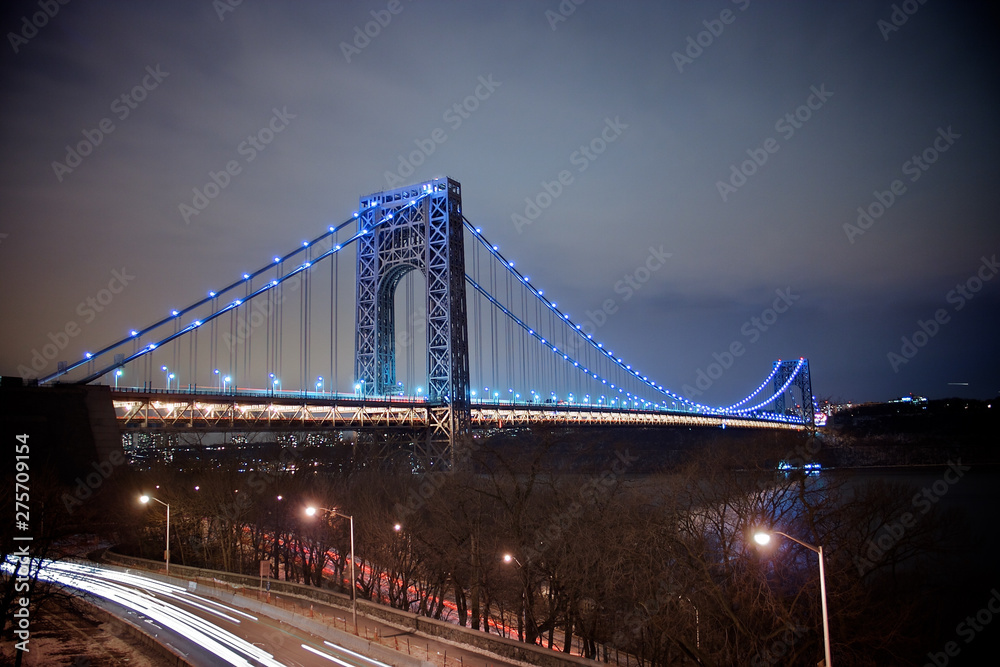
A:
[(207, 410)]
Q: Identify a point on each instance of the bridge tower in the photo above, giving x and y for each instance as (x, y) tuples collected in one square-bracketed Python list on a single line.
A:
[(802, 381), (424, 233)]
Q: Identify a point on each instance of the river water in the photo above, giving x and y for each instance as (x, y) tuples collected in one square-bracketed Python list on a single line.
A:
[(968, 582)]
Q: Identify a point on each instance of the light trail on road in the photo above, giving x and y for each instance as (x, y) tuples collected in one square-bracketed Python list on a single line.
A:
[(159, 604)]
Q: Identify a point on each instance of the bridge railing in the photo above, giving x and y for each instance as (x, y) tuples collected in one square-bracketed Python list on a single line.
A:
[(267, 394)]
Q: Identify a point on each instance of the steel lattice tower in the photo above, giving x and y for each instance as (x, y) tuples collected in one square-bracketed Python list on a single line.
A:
[(802, 381), (424, 233)]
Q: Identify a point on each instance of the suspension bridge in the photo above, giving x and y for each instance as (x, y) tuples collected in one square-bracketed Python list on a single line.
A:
[(479, 347)]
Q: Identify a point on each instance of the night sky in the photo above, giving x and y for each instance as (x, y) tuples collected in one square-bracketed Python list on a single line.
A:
[(740, 138)]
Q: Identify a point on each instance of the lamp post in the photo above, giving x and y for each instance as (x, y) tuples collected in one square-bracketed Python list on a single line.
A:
[(523, 629), (311, 511), (144, 499), (763, 538)]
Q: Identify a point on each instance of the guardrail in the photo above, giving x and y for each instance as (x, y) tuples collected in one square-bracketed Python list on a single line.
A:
[(246, 586)]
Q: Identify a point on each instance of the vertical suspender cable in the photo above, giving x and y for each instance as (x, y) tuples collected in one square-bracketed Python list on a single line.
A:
[(335, 291)]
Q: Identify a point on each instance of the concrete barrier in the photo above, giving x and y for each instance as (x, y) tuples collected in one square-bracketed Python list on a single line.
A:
[(138, 636), (443, 631)]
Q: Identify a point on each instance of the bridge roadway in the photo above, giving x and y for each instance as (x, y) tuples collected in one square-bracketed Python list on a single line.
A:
[(209, 410), (209, 633)]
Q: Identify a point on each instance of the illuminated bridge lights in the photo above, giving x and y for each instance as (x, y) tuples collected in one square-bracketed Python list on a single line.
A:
[(627, 367), (741, 407)]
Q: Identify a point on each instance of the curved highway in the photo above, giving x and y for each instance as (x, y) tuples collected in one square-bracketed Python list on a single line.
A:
[(204, 631)]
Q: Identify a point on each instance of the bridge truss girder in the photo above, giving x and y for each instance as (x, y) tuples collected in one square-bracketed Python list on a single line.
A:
[(233, 414)]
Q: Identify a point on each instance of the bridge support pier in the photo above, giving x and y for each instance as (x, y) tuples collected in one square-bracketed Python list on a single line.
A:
[(417, 228), (802, 381)]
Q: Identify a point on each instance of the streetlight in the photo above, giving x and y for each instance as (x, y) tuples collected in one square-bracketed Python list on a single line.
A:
[(311, 511), (225, 383), (168, 376), (522, 620), (118, 374), (144, 499), (762, 538), (320, 384)]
